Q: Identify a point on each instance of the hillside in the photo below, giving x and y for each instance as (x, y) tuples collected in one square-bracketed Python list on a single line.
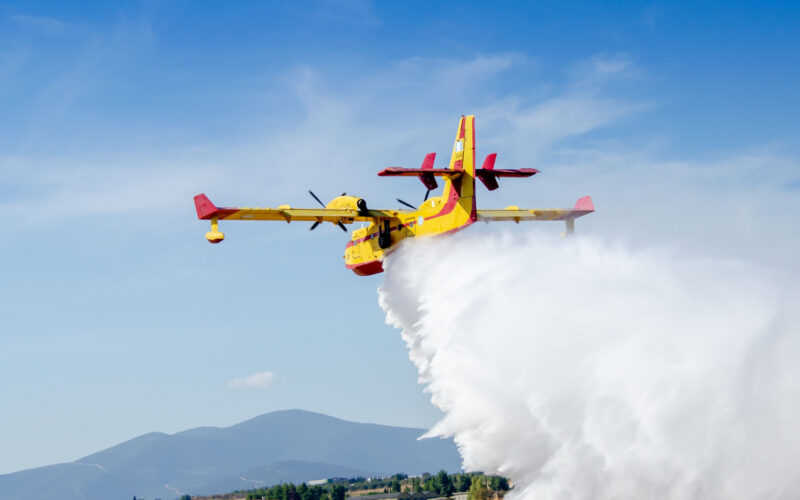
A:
[(291, 445)]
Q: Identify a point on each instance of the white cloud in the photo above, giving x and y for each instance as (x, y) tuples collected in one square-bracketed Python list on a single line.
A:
[(357, 128), (258, 380), (604, 68), (735, 204)]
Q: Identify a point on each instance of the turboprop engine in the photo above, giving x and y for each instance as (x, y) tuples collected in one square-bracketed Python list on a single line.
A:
[(348, 203)]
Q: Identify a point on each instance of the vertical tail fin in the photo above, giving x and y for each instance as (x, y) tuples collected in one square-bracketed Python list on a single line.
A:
[(463, 157), (464, 148), (461, 190)]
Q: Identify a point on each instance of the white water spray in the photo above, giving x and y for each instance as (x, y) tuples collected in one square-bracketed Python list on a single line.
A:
[(582, 370)]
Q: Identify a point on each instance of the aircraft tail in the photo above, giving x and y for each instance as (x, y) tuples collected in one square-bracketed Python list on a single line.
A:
[(463, 160), (463, 157)]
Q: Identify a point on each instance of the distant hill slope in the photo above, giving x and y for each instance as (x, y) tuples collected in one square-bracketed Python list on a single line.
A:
[(291, 445)]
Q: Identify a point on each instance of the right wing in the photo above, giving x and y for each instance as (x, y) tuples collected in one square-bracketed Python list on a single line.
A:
[(207, 210)]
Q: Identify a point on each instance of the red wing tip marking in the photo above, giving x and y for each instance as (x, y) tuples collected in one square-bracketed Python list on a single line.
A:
[(205, 209), (585, 203)]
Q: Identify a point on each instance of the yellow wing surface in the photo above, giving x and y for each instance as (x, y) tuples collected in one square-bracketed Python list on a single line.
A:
[(582, 207), (288, 214), (338, 212), (207, 210)]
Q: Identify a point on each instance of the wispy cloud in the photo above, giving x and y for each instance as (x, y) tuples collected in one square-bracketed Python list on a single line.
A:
[(358, 129), (733, 205), (258, 380), (46, 26), (604, 68)]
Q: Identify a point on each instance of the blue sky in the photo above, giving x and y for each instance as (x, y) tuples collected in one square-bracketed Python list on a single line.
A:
[(118, 318)]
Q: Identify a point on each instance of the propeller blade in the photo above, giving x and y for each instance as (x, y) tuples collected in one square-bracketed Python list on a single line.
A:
[(314, 226), (409, 205), (342, 226), (426, 195), (315, 197)]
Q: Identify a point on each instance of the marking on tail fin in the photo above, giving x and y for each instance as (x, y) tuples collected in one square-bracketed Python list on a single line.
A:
[(427, 163)]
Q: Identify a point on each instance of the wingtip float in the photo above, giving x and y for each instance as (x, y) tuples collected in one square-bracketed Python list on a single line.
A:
[(453, 211)]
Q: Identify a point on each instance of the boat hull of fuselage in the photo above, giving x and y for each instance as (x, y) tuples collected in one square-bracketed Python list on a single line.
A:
[(454, 210), (367, 268), (365, 257)]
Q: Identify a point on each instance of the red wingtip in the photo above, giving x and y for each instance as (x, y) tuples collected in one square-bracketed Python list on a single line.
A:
[(205, 209), (585, 203), (488, 163), (427, 163)]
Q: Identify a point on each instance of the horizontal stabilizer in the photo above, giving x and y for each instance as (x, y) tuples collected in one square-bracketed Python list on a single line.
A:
[(392, 171), (426, 173), (488, 174)]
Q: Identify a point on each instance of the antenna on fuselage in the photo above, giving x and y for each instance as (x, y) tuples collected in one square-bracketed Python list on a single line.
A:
[(409, 205)]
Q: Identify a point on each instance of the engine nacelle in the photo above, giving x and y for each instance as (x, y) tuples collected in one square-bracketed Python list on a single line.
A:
[(348, 203)]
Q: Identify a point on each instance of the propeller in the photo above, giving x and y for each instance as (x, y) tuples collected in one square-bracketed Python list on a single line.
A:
[(409, 205), (428, 192), (315, 224), (315, 197)]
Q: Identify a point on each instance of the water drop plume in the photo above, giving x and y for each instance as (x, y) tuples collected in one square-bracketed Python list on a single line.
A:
[(585, 370)]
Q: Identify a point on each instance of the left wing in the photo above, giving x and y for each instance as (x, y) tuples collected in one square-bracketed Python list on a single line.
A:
[(582, 207)]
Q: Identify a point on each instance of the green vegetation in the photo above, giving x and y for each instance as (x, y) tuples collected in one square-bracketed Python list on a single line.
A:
[(479, 487)]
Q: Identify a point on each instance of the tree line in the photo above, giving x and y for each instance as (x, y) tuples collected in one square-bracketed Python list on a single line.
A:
[(478, 485), (288, 491)]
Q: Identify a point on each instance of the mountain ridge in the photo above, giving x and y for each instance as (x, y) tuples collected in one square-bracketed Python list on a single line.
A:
[(287, 443)]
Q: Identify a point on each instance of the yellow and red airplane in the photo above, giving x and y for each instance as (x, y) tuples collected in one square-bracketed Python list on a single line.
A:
[(453, 211)]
